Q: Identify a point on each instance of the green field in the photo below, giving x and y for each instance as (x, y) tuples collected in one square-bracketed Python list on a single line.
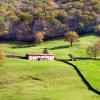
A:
[(57, 47), (33, 80), (91, 71), (28, 80)]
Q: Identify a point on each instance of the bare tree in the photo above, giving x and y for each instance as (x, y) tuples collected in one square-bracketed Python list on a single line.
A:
[(94, 50)]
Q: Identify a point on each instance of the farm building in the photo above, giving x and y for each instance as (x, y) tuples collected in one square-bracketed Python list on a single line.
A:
[(40, 57)]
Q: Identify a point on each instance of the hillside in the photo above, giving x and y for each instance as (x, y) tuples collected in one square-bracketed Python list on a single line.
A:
[(23, 19), (22, 79), (91, 72), (28, 80), (59, 47)]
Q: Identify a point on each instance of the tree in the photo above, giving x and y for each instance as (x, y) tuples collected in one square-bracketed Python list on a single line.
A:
[(4, 30), (97, 29), (2, 58), (62, 16), (94, 50), (26, 17), (12, 17), (39, 36), (71, 37), (71, 56), (45, 51), (78, 5)]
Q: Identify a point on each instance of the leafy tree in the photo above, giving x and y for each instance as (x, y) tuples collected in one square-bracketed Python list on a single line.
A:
[(71, 37), (94, 50), (81, 26), (97, 29), (4, 29), (86, 17), (62, 16), (12, 17), (78, 5), (96, 8), (95, 2), (26, 17), (1, 20), (45, 51)]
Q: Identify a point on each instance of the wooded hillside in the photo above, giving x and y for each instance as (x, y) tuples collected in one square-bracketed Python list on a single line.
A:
[(23, 19)]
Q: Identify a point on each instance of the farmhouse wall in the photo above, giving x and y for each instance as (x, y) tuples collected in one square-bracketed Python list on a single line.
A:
[(43, 57)]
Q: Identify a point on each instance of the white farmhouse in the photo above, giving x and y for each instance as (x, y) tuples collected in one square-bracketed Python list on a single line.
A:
[(40, 57)]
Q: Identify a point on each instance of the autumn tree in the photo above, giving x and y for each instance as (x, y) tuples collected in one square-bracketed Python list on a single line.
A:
[(39, 36), (71, 37), (4, 29), (62, 16), (12, 17), (2, 57), (94, 50), (97, 29)]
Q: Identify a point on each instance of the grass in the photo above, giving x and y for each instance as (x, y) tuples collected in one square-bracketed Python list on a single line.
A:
[(57, 47), (91, 71), (28, 80), (32, 80)]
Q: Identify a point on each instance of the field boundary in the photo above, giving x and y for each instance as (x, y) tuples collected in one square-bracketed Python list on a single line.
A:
[(73, 59), (80, 75), (15, 56), (80, 58), (85, 58)]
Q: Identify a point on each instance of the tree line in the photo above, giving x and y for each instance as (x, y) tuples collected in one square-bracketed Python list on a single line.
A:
[(25, 19)]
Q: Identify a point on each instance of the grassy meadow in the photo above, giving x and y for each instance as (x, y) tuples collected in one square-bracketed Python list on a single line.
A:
[(91, 71), (59, 47), (28, 80), (42, 80)]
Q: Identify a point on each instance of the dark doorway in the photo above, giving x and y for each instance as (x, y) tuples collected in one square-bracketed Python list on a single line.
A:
[(39, 59)]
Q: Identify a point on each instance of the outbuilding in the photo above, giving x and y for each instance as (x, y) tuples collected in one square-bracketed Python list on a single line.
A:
[(40, 57)]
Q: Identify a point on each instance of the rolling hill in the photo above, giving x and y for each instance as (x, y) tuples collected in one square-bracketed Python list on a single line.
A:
[(22, 79)]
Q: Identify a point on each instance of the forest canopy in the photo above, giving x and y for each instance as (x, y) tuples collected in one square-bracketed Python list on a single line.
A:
[(22, 19)]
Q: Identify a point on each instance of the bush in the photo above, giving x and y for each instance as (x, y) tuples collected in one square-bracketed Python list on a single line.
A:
[(45, 51)]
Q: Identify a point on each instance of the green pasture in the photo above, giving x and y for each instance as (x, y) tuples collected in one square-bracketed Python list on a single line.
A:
[(59, 47), (22, 79), (91, 71), (29, 80)]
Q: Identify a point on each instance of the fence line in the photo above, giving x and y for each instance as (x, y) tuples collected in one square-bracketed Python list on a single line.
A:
[(81, 76), (15, 56)]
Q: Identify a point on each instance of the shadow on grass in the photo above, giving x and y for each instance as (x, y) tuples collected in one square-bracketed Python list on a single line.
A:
[(60, 47), (18, 44), (22, 46)]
